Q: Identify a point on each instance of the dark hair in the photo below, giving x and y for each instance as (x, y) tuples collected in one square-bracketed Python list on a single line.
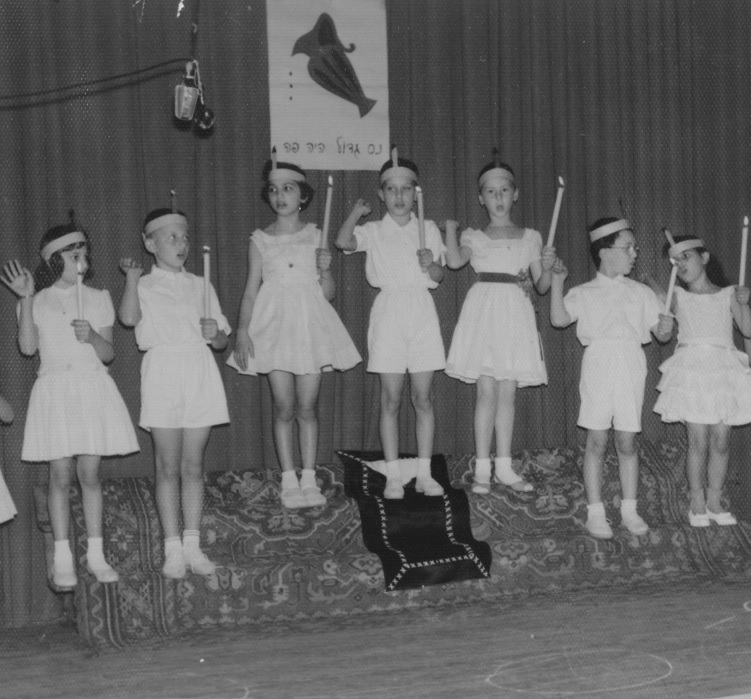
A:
[(48, 272), (156, 213), (306, 191), (400, 162), (605, 242), (714, 271), (493, 166)]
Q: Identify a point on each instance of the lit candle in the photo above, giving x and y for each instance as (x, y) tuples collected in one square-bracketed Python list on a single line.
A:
[(671, 287), (206, 282), (744, 251), (79, 287), (556, 212), (327, 215), (420, 218)]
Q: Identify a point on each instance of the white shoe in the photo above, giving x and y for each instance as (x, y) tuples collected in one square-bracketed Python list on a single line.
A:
[(428, 486), (174, 566), (724, 519), (199, 563), (394, 489), (635, 524), (104, 573), (63, 576), (293, 498), (313, 496), (599, 527)]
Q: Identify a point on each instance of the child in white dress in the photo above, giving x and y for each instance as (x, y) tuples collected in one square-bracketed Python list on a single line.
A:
[(182, 395), (706, 384), (495, 343), (287, 327), (403, 333), (7, 506), (76, 414)]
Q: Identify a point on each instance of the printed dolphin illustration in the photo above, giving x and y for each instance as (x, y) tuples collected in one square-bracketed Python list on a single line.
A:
[(328, 64)]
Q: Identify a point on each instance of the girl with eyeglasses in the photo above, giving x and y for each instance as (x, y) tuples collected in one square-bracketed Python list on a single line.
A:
[(706, 384)]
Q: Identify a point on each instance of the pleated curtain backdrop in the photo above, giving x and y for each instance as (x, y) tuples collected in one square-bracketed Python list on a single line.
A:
[(640, 105)]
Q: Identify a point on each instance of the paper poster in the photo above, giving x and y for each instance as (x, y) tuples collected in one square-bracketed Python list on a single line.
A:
[(328, 83)]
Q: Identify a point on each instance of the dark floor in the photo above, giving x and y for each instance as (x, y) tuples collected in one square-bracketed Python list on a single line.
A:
[(683, 641)]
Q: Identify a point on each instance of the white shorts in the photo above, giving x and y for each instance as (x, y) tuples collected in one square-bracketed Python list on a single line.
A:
[(181, 387), (404, 334), (611, 387)]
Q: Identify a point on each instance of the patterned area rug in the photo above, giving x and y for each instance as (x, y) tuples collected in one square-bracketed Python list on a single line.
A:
[(420, 540)]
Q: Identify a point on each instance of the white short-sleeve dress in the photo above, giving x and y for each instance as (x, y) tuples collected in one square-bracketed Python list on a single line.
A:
[(707, 380), (75, 407), (293, 327), (496, 334)]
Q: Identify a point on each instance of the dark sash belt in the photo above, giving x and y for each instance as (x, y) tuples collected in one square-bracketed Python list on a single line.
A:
[(523, 281), (499, 277)]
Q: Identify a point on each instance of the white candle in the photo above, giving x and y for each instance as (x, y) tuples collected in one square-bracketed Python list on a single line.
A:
[(556, 212), (420, 218), (669, 236), (744, 252), (671, 287), (206, 282), (79, 288), (327, 215)]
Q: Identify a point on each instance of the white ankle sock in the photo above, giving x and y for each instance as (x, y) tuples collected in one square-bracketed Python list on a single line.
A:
[(290, 480), (308, 478), (172, 545), (94, 552), (392, 470), (628, 507), (482, 470), (191, 540), (423, 468), (63, 556), (596, 509), (504, 471)]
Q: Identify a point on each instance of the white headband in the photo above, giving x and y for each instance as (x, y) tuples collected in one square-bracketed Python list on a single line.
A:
[(279, 174), (609, 228), (162, 221), (397, 170), (684, 245), (62, 242), (501, 172)]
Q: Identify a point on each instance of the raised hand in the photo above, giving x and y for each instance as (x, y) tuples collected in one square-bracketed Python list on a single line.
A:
[(362, 208), (18, 279), (131, 267)]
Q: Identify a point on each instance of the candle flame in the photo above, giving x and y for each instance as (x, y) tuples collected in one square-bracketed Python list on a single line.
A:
[(79, 266), (745, 220), (560, 181), (418, 189), (331, 181), (206, 248)]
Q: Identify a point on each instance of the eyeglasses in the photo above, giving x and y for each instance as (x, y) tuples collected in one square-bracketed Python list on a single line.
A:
[(630, 248)]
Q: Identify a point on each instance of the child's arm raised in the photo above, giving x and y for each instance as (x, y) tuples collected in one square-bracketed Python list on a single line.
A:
[(323, 263), (20, 281), (129, 311), (456, 256), (542, 270), (243, 344), (559, 316), (741, 311), (345, 238)]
